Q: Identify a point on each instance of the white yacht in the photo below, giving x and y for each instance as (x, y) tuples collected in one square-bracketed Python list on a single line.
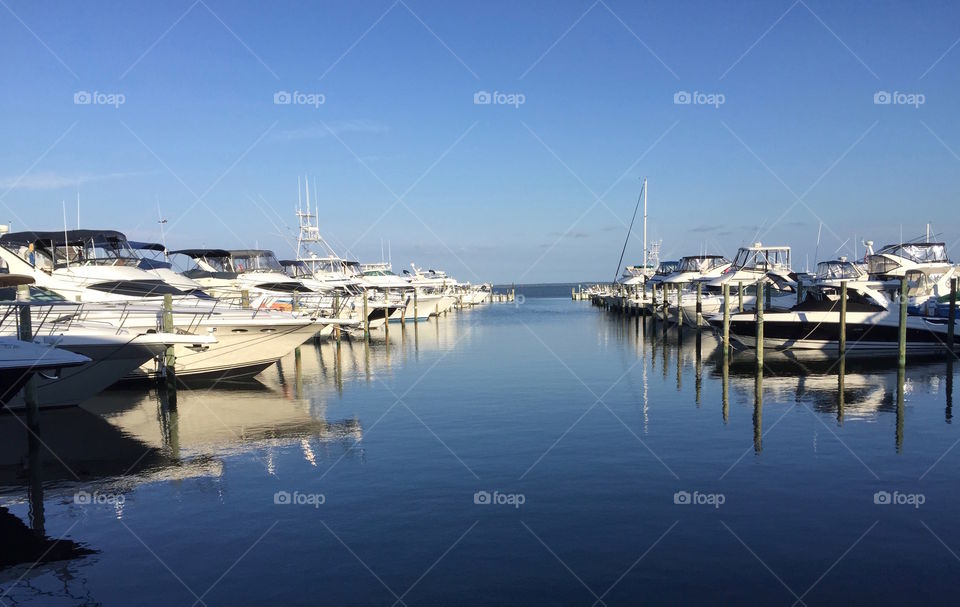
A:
[(696, 268), (752, 264), (20, 360), (100, 269), (872, 326)]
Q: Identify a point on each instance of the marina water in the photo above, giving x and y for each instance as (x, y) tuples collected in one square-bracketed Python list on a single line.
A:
[(534, 452)]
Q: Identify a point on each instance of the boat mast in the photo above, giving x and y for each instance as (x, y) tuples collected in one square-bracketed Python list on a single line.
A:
[(644, 224)]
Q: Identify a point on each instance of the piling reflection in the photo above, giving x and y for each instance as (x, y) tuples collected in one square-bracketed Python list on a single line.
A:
[(851, 388)]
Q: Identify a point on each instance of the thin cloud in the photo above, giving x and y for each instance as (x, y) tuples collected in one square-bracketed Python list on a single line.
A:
[(54, 181), (319, 131)]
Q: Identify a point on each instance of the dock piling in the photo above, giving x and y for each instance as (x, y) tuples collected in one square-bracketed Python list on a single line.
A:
[(760, 324), (902, 342), (843, 318), (726, 318), (169, 357), (952, 316), (699, 304), (25, 333)]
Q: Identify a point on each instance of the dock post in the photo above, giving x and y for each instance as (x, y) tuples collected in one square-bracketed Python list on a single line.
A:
[(740, 294), (170, 357), (653, 301), (245, 299), (760, 324), (699, 304), (726, 318), (366, 316), (416, 313), (902, 343), (843, 318), (799, 291), (952, 315), (679, 305), (295, 303), (336, 314), (30, 398), (386, 319)]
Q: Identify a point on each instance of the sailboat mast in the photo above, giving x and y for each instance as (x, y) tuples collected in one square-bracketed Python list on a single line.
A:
[(644, 224)]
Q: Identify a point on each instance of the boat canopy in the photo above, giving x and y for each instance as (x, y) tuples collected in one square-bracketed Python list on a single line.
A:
[(667, 267), (73, 247), (763, 258), (701, 263), (198, 253), (918, 252), (62, 238), (839, 269), (147, 246)]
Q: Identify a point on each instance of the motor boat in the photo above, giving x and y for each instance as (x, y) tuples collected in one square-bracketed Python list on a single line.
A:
[(101, 271), (872, 325), (20, 360), (697, 268), (752, 264)]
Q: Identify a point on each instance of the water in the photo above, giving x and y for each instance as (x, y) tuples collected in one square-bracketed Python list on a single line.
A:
[(584, 427)]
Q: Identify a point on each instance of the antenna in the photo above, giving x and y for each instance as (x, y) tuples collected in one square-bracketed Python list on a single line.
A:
[(66, 250), (161, 221)]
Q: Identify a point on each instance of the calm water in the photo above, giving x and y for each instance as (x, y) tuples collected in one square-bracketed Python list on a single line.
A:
[(583, 430)]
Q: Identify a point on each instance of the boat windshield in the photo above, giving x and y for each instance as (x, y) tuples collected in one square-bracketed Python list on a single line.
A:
[(667, 267), (837, 270), (753, 258), (248, 261), (922, 252), (701, 264)]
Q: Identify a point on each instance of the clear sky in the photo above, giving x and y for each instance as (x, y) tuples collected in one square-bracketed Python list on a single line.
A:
[(783, 130)]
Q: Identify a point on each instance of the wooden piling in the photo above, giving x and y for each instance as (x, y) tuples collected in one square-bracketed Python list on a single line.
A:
[(416, 313), (679, 305), (170, 357), (726, 318), (843, 318), (336, 314), (386, 320), (245, 299), (30, 399), (366, 316), (799, 291), (902, 342), (952, 315), (740, 294), (699, 305), (760, 324)]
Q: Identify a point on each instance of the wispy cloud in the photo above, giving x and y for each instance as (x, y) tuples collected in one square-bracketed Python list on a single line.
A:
[(319, 131), (570, 234), (50, 180)]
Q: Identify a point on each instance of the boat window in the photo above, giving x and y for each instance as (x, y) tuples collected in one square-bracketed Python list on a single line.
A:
[(136, 288), (837, 270), (36, 294), (254, 261)]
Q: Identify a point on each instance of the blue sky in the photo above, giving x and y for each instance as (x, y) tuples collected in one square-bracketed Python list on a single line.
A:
[(541, 191)]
